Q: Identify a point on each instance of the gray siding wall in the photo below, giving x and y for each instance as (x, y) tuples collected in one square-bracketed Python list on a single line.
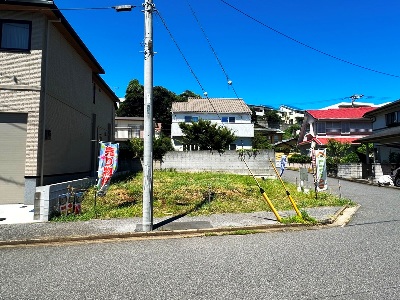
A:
[(69, 109), (68, 102), (105, 112)]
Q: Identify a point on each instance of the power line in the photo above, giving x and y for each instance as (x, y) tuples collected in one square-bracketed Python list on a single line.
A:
[(307, 46), (212, 49), (187, 63), (180, 51), (80, 8)]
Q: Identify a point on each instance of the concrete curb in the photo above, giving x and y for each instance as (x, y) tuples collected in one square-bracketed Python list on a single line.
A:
[(331, 222)]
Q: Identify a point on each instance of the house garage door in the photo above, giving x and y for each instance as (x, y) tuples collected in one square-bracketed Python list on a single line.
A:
[(12, 157)]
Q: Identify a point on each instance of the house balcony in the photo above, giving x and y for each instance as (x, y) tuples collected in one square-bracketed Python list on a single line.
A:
[(127, 133)]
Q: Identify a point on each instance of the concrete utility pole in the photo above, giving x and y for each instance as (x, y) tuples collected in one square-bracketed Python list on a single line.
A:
[(148, 118)]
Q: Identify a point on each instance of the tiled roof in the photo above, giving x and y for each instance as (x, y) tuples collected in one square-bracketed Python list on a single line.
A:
[(324, 141), (340, 113), (211, 105)]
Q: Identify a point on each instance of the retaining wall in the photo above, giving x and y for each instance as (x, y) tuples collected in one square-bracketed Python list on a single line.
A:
[(46, 197), (228, 162)]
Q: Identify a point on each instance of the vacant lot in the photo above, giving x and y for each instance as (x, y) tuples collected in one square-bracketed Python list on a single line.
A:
[(196, 194)]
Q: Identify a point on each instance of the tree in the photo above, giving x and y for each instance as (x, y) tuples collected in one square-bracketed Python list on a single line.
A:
[(260, 141), (162, 103), (273, 118), (186, 95), (335, 152), (133, 104), (207, 136), (161, 146), (291, 132), (253, 116), (136, 146)]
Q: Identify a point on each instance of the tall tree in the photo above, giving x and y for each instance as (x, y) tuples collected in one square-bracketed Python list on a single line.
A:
[(273, 118), (133, 104), (186, 95), (260, 141), (207, 136), (291, 132), (162, 103)]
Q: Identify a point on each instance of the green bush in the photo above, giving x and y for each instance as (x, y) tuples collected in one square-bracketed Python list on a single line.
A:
[(299, 158), (350, 158)]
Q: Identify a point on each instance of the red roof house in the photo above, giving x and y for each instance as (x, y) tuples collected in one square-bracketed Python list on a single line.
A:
[(341, 124)]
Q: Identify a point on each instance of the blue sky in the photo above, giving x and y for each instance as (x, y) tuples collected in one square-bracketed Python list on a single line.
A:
[(266, 67)]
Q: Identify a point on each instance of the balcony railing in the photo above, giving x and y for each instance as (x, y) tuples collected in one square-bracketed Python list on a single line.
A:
[(127, 132)]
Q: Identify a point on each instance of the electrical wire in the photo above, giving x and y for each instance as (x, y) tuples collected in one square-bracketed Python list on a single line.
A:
[(308, 46), (187, 63), (212, 49), (73, 8)]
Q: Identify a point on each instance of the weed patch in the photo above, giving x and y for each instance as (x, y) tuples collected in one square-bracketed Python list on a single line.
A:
[(193, 194)]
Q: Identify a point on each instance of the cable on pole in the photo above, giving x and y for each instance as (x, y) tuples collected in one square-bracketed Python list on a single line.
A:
[(262, 191), (180, 51), (187, 63), (212, 49), (305, 45)]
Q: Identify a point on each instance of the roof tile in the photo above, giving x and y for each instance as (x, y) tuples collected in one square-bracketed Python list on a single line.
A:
[(210, 105), (340, 113)]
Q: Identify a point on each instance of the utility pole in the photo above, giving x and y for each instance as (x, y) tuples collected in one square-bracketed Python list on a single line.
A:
[(148, 118)]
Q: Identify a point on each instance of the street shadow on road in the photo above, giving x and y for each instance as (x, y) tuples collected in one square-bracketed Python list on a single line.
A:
[(177, 217)]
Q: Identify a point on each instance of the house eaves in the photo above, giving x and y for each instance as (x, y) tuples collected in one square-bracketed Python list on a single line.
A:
[(388, 137), (110, 93), (382, 109), (49, 9)]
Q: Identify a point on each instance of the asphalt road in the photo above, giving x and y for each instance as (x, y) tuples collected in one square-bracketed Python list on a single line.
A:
[(358, 261)]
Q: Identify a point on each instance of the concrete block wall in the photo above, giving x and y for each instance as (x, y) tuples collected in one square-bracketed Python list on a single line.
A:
[(229, 162), (358, 171), (350, 171), (46, 197)]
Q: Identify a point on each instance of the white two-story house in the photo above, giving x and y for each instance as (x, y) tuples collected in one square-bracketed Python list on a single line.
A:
[(54, 106), (291, 115), (234, 114)]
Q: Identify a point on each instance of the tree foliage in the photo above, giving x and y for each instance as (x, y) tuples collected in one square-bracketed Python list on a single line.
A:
[(337, 153), (207, 136), (291, 132), (253, 116), (133, 106), (137, 147), (162, 103), (299, 158), (186, 95), (260, 141), (161, 146), (273, 117)]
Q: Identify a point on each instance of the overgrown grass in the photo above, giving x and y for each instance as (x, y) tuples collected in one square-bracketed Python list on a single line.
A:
[(194, 194), (304, 219)]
